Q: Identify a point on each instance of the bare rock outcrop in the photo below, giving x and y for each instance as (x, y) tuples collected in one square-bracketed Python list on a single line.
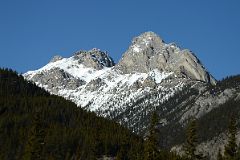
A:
[(148, 51), (94, 58)]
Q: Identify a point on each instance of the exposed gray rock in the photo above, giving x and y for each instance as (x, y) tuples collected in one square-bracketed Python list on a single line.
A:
[(148, 51), (210, 148), (149, 82), (136, 85), (56, 58), (238, 97), (57, 78), (94, 59), (207, 102), (95, 84)]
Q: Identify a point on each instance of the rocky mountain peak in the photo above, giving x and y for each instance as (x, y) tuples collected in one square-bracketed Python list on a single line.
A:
[(148, 52), (146, 40), (56, 58), (94, 58)]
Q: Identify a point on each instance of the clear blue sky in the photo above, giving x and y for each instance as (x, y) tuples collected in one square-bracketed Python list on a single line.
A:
[(32, 31)]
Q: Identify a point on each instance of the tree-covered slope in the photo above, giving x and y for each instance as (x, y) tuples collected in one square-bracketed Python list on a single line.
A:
[(33, 122), (212, 107)]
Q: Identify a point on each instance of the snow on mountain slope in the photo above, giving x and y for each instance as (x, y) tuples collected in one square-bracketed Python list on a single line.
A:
[(98, 87), (72, 67), (149, 73)]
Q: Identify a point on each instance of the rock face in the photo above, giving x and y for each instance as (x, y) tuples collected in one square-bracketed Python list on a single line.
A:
[(94, 58), (213, 109), (56, 78), (148, 51), (56, 58)]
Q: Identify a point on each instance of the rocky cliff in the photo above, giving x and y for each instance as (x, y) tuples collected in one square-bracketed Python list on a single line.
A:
[(148, 51)]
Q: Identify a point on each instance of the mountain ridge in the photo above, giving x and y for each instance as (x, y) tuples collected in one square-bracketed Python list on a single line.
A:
[(151, 76), (93, 81)]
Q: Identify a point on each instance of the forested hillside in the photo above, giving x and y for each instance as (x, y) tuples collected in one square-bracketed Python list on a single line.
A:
[(210, 124), (37, 125)]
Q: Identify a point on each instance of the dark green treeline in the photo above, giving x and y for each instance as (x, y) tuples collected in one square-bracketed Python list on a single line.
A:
[(37, 125)]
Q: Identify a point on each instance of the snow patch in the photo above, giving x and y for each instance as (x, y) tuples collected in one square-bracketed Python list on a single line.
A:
[(136, 48)]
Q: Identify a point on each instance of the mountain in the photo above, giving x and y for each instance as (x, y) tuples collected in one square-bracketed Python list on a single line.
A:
[(148, 51), (151, 76), (35, 123), (149, 73)]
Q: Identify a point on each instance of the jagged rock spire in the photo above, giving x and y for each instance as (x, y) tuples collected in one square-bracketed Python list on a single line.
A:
[(94, 58), (148, 51)]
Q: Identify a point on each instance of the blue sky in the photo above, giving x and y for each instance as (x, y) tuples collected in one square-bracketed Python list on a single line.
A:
[(31, 31)]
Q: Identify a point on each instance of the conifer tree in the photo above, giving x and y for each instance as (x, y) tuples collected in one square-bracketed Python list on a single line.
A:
[(121, 155), (68, 156), (231, 146), (136, 152), (191, 141), (219, 156), (91, 148), (151, 151), (35, 144), (78, 153), (238, 153)]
